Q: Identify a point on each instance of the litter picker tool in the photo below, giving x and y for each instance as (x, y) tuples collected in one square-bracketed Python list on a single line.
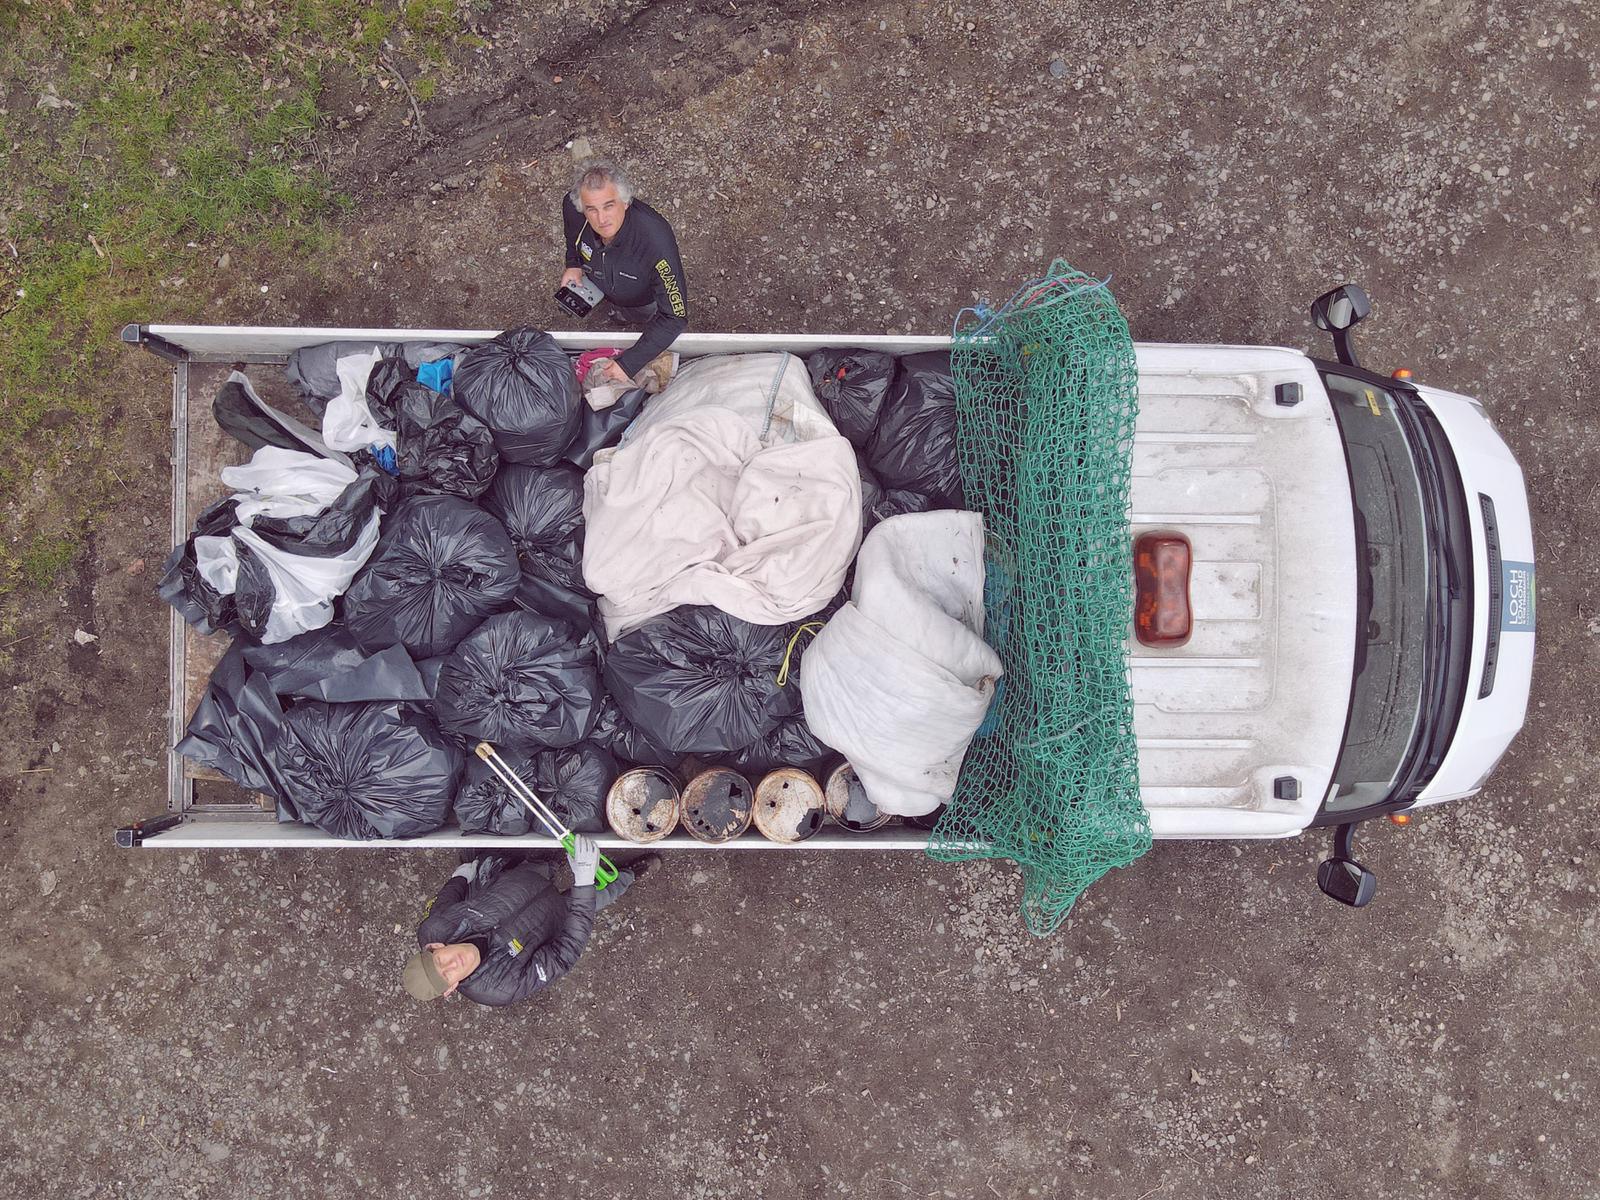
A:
[(605, 872)]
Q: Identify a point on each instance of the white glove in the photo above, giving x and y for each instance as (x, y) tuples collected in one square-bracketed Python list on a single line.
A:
[(585, 859), (467, 871)]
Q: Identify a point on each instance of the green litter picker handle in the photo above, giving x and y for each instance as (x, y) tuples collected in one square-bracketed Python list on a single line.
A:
[(605, 870)]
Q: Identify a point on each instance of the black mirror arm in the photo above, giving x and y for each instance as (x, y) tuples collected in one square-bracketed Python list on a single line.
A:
[(1344, 347)]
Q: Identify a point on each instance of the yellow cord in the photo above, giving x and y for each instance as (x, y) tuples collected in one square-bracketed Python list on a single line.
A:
[(811, 627)]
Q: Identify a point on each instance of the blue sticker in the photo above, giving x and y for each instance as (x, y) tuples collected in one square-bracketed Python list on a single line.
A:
[(1516, 597)]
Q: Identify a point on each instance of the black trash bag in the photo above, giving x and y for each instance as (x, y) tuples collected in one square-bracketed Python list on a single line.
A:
[(254, 590), (185, 588), (246, 416), (522, 386), (574, 783), (604, 428), (439, 446), (790, 744), (542, 510), (851, 385), (914, 446), (879, 503), (614, 732), (697, 680), (486, 805), (236, 726), (442, 565), (523, 681), (314, 370), (367, 770), (384, 387)]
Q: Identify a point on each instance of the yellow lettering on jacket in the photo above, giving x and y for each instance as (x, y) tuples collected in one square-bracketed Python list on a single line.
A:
[(670, 282)]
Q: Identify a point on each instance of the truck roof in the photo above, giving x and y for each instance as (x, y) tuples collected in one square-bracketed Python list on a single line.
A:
[(1261, 690)]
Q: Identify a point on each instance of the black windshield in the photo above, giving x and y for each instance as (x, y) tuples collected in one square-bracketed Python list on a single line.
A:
[(1413, 604)]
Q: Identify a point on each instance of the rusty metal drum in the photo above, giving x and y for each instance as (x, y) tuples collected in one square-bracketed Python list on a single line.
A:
[(789, 805), (644, 804), (848, 804), (717, 805)]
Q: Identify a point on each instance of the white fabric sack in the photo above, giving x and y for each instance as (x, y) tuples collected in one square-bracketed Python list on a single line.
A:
[(698, 507), (305, 585), (347, 422), (899, 680), (772, 392), (285, 483)]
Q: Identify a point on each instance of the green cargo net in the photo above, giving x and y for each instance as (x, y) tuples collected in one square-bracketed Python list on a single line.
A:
[(1047, 390)]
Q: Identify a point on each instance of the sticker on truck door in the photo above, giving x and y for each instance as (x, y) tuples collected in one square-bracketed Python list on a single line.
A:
[(1516, 597)]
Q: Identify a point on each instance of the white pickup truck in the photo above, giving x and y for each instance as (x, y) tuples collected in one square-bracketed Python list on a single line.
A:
[(1357, 587)]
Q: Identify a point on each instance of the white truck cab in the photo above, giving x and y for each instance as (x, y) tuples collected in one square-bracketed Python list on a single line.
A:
[(1360, 586), (1354, 583)]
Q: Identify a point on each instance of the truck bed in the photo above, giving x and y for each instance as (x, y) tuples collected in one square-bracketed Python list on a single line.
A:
[(1218, 721)]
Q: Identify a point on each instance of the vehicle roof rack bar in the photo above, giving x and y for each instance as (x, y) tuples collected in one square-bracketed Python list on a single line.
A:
[(138, 335)]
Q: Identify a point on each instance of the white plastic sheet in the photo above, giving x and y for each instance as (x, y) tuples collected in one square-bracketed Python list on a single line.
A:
[(347, 423), (900, 678)]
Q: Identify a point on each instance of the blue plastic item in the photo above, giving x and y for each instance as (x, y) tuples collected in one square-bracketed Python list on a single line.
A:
[(436, 375)]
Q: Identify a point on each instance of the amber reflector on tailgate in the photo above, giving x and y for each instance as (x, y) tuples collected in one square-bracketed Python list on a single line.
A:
[(1161, 614)]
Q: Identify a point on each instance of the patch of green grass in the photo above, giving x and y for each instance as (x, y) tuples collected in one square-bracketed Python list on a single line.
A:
[(162, 135), (45, 557)]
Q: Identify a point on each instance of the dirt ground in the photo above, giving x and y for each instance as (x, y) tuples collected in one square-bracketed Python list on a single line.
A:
[(789, 1024)]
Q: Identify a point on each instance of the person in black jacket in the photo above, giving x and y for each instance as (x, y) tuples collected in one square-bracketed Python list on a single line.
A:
[(499, 930), (627, 250)]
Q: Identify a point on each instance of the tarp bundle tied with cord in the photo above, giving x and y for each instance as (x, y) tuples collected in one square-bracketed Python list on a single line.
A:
[(1046, 397)]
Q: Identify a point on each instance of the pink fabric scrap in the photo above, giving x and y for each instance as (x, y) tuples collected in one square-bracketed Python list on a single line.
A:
[(586, 359)]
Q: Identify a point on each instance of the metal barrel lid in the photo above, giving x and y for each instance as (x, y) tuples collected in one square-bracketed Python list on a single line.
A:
[(644, 804), (789, 805), (717, 805), (848, 803)]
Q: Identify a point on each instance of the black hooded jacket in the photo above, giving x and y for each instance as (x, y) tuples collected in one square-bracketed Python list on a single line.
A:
[(530, 933), (641, 266)]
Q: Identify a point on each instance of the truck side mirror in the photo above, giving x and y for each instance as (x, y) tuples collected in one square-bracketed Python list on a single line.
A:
[(1341, 308), (1341, 877), (1339, 311)]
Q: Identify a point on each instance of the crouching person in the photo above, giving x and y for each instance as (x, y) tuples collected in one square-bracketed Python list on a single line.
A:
[(499, 930)]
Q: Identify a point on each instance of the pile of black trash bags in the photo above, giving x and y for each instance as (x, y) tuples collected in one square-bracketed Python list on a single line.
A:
[(470, 621)]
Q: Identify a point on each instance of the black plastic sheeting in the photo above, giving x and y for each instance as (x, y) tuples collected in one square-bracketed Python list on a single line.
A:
[(385, 385), (851, 385), (790, 744), (522, 386), (441, 448), (367, 771), (913, 448), (542, 510), (441, 566), (244, 415), (622, 738), (181, 584), (235, 726), (697, 680), (523, 681), (327, 664), (336, 528), (879, 504), (604, 428)]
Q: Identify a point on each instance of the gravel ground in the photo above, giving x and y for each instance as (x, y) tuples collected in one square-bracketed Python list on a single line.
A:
[(230, 1024)]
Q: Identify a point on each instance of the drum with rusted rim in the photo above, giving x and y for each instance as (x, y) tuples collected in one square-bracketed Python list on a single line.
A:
[(848, 804), (717, 805), (789, 805), (644, 804)]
